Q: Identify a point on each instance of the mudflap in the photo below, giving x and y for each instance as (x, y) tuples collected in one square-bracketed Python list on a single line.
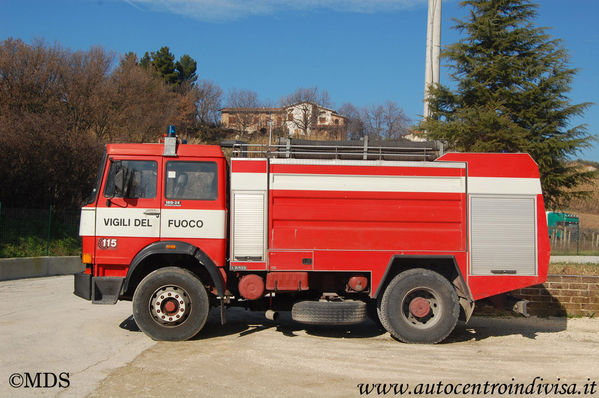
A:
[(106, 289), (466, 301), (83, 285)]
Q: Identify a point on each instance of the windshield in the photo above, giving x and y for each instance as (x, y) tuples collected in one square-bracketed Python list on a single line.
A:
[(92, 196)]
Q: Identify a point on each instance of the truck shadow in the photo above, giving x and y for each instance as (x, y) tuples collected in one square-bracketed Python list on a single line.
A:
[(483, 327), (244, 323)]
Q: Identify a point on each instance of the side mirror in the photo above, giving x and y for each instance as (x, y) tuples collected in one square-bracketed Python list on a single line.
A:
[(119, 183), (122, 180)]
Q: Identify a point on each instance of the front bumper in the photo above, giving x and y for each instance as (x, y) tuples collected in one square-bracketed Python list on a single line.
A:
[(83, 285)]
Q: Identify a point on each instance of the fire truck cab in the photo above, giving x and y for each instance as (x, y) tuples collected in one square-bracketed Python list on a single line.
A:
[(178, 229)]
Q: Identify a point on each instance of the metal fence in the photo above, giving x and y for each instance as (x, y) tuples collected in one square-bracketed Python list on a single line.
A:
[(574, 240), (39, 232)]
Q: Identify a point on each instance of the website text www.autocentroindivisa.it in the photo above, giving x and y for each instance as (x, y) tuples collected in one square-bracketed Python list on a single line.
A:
[(538, 386)]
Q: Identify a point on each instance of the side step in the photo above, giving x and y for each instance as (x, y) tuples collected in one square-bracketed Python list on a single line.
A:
[(348, 312)]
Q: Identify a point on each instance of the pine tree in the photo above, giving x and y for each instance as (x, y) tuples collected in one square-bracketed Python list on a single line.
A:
[(186, 68), (512, 80), (163, 62)]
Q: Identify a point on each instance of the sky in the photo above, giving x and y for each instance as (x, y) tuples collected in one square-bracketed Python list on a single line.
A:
[(361, 51)]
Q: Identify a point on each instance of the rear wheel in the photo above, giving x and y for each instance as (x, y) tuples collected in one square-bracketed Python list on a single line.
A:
[(170, 304), (419, 306)]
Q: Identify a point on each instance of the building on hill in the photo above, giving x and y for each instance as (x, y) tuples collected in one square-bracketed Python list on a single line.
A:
[(301, 119)]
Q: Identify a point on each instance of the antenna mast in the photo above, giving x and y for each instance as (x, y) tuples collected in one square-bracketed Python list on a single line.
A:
[(433, 48)]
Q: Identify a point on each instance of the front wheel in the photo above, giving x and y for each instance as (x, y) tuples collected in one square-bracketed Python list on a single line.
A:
[(419, 306), (170, 304)]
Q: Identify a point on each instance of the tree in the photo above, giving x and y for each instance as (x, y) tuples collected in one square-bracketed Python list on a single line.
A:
[(353, 121), (210, 97), (310, 94), (305, 102), (58, 108), (145, 61), (141, 104), (241, 102), (45, 123), (304, 116), (130, 57), (186, 69), (511, 95), (372, 117), (162, 62)]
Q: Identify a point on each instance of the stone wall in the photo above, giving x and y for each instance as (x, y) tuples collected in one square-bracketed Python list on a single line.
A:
[(561, 295), (33, 267)]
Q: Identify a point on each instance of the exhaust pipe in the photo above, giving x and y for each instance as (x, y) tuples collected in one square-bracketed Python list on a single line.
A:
[(271, 315)]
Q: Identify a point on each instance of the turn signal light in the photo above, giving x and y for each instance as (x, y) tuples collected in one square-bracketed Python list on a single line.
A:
[(86, 258)]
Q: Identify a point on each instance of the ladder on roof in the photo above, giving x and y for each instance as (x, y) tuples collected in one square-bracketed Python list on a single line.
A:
[(401, 149)]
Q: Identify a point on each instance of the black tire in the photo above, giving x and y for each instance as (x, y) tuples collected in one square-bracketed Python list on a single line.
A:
[(170, 304), (419, 306), (348, 312)]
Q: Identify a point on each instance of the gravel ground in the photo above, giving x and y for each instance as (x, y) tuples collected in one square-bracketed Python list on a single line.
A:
[(251, 357)]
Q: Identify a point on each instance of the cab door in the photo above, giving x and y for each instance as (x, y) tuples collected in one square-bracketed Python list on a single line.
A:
[(128, 212), (194, 204)]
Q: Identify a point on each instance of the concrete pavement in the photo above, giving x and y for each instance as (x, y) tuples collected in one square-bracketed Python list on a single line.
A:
[(45, 328)]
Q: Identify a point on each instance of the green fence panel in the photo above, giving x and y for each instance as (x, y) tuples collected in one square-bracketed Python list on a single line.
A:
[(39, 232)]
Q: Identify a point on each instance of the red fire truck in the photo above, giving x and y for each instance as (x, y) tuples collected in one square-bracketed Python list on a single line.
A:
[(178, 229)]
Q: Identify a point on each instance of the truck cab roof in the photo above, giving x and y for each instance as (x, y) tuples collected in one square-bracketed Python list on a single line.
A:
[(158, 149)]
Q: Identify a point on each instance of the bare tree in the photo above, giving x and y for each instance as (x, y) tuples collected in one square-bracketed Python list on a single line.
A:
[(209, 102), (49, 155), (85, 88), (353, 121), (372, 116), (302, 107), (387, 121), (395, 120), (303, 116), (141, 104), (310, 94), (242, 102), (58, 108)]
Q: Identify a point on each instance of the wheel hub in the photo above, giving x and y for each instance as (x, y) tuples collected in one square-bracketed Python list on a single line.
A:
[(420, 307), (170, 305)]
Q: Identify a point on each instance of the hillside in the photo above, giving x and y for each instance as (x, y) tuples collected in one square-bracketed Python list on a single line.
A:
[(588, 208)]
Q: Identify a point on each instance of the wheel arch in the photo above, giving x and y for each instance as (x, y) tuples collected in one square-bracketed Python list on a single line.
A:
[(172, 253), (445, 265)]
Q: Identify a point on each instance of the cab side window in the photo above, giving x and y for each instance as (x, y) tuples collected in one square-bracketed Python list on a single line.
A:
[(191, 180), (141, 177)]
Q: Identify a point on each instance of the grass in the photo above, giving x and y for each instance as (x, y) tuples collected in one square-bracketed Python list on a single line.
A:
[(33, 246), (24, 233), (574, 252)]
